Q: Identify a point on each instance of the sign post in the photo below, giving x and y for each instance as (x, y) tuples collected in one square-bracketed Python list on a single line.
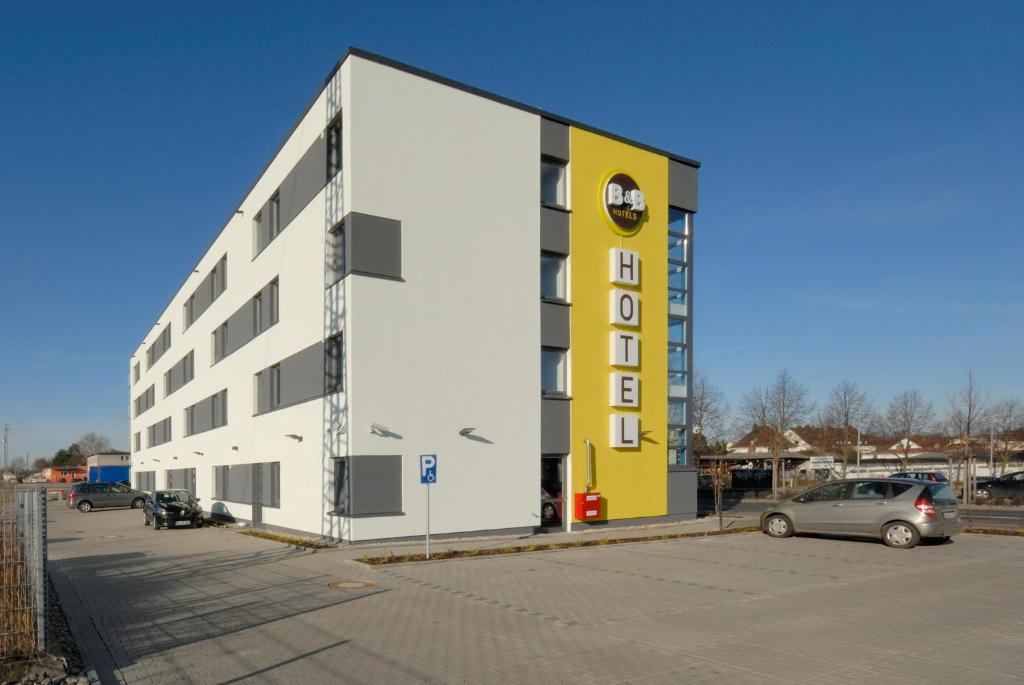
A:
[(428, 476)]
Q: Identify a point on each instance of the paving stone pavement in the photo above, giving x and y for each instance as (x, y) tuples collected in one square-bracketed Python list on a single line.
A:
[(214, 606)]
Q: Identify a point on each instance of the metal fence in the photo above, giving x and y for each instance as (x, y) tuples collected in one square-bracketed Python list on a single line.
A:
[(22, 571)]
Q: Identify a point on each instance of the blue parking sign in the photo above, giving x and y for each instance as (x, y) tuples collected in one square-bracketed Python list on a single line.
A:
[(428, 469)]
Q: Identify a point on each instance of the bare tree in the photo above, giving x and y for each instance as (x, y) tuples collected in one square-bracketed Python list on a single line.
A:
[(967, 412), (93, 443), (848, 409), (908, 414), (709, 410), (780, 406), (1007, 416)]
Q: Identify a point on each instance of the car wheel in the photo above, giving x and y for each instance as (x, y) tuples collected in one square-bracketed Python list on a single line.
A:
[(778, 526), (85, 507), (197, 523), (138, 503), (156, 524), (900, 534), (548, 512)]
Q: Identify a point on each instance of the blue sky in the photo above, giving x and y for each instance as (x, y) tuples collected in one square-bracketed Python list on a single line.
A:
[(860, 197)]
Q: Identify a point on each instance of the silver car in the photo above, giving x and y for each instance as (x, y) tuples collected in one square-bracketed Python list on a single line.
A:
[(899, 511)]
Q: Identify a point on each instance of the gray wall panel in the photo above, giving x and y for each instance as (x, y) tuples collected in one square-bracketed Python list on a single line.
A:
[(304, 181), (239, 328), (682, 490), (302, 375), (554, 426), (376, 486), (554, 325), (682, 186), (373, 245), (554, 140), (554, 230)]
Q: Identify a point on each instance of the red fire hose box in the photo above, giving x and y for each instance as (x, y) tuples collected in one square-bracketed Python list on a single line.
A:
[(587, 506)]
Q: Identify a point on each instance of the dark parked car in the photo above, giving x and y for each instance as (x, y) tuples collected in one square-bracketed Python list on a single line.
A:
[(88, 496), (170, 508), (934, 476), (900, 512), (1010, 485), (550, 505)]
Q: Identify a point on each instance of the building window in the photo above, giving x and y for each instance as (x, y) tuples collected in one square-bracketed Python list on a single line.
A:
[(342, 487), (136, 373), (220, 342), (137, 442), (275, 215), (334, 364), (257, 242), (552, 182), (275, 386), (272, 293), (257, 314), (552, 276), (676, 331), (338, 253), (190, 304), (220, 409), (334, 148), (552, 371)]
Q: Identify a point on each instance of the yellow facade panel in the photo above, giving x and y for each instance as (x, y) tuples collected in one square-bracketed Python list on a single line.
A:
[(632, 481)]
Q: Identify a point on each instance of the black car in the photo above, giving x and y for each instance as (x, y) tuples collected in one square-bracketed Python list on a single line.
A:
[(170, 508), (1010, 485)]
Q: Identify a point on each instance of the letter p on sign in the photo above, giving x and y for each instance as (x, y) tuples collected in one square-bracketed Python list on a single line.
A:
[(428, 469)]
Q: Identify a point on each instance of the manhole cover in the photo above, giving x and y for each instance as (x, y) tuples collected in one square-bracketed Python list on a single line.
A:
[(350, 584)]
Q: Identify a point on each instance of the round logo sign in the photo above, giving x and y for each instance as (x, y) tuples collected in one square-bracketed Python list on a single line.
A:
[(624, 202)]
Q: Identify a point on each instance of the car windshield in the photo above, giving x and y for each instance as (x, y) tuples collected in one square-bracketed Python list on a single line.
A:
[(169, 496)]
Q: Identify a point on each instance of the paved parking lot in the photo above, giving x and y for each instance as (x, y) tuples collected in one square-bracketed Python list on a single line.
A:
[(213, 606)]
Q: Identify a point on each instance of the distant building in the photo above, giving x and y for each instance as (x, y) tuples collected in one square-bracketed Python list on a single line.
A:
[(65, 474), (110, 466)]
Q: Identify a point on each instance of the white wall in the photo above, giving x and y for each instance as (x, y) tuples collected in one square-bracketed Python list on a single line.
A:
[(457, 344), (297, 258)]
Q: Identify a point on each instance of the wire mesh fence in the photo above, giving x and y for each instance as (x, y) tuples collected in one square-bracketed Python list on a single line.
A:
[(22, 571)]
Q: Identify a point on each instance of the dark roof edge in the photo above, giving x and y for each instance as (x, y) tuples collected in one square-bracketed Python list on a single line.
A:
[(416, 71)]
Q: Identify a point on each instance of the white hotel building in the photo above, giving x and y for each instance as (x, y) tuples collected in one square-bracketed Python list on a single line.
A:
[(427, 268)]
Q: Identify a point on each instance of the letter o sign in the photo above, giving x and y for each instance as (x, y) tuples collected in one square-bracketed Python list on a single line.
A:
[(625, 308)]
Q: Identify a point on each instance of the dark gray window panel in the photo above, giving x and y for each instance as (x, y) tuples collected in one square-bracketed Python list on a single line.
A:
[(233, 483), (137, 442), (242, 325), (299, 187), (207, 414), (373, 245), (145, 480), (554, 325), (209, 289), (180, 374), (298, 378), (682, 186), (554, 230), (182, 479), (159, 346), (554, 426), (159, 432), (368, 485), (145, 401), (302, 376), (270, 484), (137, 373), (554, 139)]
